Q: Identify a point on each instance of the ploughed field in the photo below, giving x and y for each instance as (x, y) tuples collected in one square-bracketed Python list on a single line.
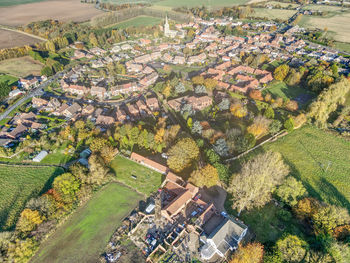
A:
[(9, 39), (63, 10)]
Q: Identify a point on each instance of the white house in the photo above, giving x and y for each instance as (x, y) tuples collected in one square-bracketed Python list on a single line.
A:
[(226, 236)]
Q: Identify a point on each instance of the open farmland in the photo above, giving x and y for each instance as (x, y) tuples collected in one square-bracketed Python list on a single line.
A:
[(139, 21), (83, 237), (20, 67), (273, 13), (147, 180), (63, 10), (10, 39), (17, 2), (18, 185), (320, 160), (337, 24)]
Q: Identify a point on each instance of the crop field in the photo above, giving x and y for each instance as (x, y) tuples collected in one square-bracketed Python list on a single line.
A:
[(83, 237), (273, 13), (147, 180), (63, 10), (320, 160), (275, 3), (139, 21), (20, 67), (18, 185), (191, 3), (10, 39), (338, 24)]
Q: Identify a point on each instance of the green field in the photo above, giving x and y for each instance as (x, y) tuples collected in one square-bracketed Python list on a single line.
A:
[(17, 2), (273, 13), (20, 67), (83, 237), (18, 185), (280, 89), (138, 22), (191, 3), (147, 180), (320, 159), (8, 80)]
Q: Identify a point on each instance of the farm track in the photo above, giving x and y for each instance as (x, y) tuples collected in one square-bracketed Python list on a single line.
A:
[(7, 28)]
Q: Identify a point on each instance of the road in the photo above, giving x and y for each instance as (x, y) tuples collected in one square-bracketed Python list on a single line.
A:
[(35, 92)]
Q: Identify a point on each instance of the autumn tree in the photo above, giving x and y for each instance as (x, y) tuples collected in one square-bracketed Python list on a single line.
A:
[(210, 84), (99, 172), (29, 220), (182, 154), (292, 248), (255, 94), (289, 124), (98, 143), (198, 80), (207, 176), (290, 191), (328, 101), (238, 109), (306, 207), (259, 127), (281, 72), (269, 113), (251, 253), (291, 105), (67, 186), (21, 250), (258, 178), (328, 217)]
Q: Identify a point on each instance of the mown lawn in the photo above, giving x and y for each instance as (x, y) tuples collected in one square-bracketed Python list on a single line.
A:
[(147, 180), (319, 159), (282, 90), (18, 185), (140, 21), (85, 235)]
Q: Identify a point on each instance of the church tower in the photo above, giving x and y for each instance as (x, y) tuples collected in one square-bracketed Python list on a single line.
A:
[(166, 26)]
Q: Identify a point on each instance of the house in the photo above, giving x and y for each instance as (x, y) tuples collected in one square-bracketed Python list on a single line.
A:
[(152, 103), (40, 156), (199, 103), (180, 193), (53, 104), (149, 163), (143, 59), (142, 107), (88, 110), (72, 110), (133, 110), (124, 89), (17, 132), (149, 79), (28, 82), (179, 60), (39, 102), (99, 92), (76, 89), (226, 236), (120, 115), (104, 120)]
